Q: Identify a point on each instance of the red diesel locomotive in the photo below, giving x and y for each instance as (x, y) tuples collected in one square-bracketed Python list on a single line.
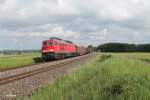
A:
[(55, 48)]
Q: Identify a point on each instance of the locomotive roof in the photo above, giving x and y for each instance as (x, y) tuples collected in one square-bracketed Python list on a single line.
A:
[(67, 41), (55, 38)]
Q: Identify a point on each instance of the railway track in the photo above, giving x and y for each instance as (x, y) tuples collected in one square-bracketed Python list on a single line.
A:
[(13, 78)]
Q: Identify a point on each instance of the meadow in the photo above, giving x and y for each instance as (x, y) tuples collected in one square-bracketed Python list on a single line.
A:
[(110, 76), (11, 61)]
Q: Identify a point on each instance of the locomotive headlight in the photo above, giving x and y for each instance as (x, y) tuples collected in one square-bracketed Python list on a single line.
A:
[(51, 50)]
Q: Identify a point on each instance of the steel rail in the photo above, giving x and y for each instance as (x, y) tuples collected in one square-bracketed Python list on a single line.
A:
[(10, 79)]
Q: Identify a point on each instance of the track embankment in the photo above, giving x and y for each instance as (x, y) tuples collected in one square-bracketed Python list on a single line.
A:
[(22, 82)]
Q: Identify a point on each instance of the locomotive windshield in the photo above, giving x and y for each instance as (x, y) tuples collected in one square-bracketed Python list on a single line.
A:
[(50, 43)]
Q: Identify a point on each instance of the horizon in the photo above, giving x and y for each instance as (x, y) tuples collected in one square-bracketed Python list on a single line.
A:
[(85, 46)]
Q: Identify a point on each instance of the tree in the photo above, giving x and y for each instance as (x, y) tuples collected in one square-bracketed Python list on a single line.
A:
[(123, 47)]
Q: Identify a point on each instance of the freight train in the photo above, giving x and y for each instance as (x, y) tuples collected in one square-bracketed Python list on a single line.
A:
[(55, 48)]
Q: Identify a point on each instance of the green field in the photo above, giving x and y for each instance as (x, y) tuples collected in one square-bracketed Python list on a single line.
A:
[(117, 76), (10, 61)]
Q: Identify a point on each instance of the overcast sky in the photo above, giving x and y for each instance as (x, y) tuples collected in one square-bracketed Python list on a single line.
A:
[(25, 23)]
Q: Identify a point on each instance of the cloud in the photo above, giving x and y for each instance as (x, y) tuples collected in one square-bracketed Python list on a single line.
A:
[(85, 22)]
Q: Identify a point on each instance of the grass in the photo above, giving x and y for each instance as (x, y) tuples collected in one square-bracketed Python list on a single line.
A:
[(10, 61), (108, 77)]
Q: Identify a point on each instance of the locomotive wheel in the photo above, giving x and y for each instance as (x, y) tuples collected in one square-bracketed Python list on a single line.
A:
[(56, 57)]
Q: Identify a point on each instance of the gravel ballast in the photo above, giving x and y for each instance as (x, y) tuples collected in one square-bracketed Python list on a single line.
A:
[(26, 86)]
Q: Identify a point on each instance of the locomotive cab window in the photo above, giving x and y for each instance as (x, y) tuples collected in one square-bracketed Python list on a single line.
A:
[(55, 43), (45, 43)]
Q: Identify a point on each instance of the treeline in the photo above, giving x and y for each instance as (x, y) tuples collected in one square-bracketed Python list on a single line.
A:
[(123, 47), (18, 52)]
